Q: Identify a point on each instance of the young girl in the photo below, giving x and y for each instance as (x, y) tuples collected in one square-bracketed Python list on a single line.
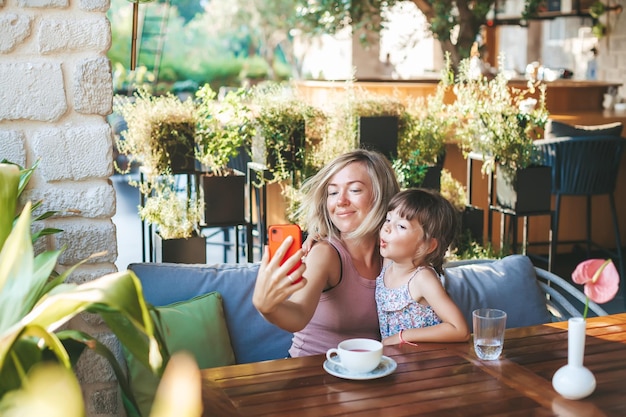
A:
[(412, 304)]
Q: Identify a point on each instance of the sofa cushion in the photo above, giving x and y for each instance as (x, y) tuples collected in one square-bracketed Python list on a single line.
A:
[(253, 338), (556, 129), (509, 284), (197, 326)]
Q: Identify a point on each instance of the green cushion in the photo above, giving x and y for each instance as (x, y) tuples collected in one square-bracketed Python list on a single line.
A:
[(196, 326)]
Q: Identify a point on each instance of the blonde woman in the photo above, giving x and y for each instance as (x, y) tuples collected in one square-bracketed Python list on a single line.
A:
[(344, 205)]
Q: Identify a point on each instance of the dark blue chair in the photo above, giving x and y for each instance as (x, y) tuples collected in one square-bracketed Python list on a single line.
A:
[(585, 166)]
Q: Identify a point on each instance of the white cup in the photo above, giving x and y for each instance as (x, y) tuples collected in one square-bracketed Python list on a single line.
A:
[(358, 356), (489, 326)]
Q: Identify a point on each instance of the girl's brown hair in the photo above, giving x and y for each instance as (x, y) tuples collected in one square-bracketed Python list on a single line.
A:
[(436, 215)]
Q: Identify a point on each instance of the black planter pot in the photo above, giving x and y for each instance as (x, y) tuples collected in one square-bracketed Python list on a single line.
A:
[(282, 154), (472, 223), (379, 133), (525, 191), (224, 199), (184, 251), (432, 179), (292, 152)]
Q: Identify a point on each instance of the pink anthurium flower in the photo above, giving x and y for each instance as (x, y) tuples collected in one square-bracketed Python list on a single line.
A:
[(600, 278)]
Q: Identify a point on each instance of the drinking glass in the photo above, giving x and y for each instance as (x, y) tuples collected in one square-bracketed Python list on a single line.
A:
[(489, 325)]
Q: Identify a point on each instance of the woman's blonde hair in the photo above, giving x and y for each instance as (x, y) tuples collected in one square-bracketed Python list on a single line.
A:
[(313, 212)]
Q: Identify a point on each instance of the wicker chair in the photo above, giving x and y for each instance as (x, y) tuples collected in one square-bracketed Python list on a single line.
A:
[(585, 166)]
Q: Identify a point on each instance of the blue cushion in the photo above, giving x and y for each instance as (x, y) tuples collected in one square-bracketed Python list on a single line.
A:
[(556, 129), (252, 337), (509, 284)]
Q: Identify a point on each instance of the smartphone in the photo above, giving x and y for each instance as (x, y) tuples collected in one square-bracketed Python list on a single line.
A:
[(277, 233)]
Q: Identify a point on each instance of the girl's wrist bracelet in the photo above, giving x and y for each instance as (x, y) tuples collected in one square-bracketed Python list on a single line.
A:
[(402, 341)]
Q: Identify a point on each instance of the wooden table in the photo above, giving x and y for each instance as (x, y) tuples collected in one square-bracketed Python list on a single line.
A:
[(434, 380)]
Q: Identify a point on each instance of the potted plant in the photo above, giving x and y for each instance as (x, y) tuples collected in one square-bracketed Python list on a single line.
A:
[(161, 137), (160, 134), (224, 130), (35, 303), (285, 148), (365, 119), (422, 147), (287, 129), (176, 216), (500, 123)]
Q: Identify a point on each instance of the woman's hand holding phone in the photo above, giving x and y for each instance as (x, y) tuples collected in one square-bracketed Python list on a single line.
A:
[(279, 278)]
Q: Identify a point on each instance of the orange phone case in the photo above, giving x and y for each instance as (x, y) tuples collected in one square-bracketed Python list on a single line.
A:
[(277, 233)]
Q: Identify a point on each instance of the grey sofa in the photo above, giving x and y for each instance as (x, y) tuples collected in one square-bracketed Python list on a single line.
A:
[(512, 284)]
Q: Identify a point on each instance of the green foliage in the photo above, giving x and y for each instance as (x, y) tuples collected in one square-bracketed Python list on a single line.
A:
[(47, 384), (158, 126), (188, 9), (125, 81), (289, 132), (453, 190), (531, 9), (8, 198), (455, 23), (223, 129), (24, 178), (254, 68), (289, 128), (468, 248), (174, 214), (493, 118), (224, 40), (422, 142), (34, 304), (344, 112), (410, 173)]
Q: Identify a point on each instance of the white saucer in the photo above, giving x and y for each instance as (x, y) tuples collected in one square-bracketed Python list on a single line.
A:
[(384, 368)]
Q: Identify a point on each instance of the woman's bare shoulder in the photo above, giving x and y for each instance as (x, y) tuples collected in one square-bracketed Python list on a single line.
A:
[(321, 251), (323, 261)]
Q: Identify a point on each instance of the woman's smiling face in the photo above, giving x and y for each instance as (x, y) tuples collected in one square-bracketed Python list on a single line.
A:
[(349, 197)]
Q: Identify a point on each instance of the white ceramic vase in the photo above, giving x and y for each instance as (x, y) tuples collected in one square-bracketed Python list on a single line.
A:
[(573, 381)]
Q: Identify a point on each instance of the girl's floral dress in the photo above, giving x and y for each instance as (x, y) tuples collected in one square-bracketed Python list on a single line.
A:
[(398, 311)]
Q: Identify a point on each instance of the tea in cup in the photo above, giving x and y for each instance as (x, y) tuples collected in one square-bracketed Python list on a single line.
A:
[(357, 356)]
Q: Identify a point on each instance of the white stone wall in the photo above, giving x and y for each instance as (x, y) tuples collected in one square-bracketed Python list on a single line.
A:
[(55, 92), (612, 50)]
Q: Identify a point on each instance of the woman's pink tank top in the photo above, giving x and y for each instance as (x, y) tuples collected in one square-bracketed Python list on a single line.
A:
[(344, 312)]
